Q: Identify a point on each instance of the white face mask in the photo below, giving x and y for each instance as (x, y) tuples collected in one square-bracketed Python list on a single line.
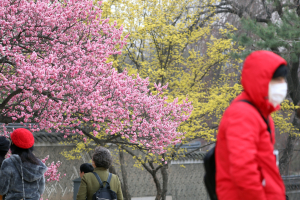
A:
[(277, 93)]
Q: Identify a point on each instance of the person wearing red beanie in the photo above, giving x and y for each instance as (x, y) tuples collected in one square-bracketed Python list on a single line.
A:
[(22, 138), (22, 174)]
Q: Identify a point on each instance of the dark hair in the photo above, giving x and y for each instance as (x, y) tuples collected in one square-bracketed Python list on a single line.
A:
[(102, 157), (281, 71), (86, 168), (26, 155)]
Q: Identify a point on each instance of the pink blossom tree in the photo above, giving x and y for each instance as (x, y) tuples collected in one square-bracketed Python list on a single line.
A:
[(54, 73)]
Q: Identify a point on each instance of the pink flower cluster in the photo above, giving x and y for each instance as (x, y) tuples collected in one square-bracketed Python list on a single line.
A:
[(54, 73), (52, 173)]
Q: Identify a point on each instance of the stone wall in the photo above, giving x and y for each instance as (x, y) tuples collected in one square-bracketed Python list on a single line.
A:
[(184, 182), (62, 190)]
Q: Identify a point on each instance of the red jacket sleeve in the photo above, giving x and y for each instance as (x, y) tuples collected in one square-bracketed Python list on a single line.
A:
[(242, 135)]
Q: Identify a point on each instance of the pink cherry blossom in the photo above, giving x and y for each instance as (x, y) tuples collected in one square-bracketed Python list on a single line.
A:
[(52, 173), (54, 73)]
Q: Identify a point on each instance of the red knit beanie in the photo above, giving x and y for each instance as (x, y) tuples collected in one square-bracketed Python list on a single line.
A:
[(22, 138)]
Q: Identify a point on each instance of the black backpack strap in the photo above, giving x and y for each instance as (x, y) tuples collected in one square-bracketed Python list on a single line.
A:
[(108, 180), (99, 180), (266, 120)]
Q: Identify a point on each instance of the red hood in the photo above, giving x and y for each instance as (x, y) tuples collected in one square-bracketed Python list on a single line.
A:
[(257, 73)]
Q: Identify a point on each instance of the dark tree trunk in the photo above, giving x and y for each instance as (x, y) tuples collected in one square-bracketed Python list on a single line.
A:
[(157, 185), (288, 151), (125, 189), (165, 177), (287, 155)]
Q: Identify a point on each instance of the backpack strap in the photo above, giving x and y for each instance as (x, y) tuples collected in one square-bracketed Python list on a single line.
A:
[(266, 120), (108, 180), (99, 180)]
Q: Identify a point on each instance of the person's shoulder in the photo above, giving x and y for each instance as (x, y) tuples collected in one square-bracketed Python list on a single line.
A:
[(115, 179), (8, 166), (89, 175), (7, 161), (240, 108), (114, 176), (242, 112)]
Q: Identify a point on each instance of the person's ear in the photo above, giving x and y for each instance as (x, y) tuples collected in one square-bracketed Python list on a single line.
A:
[(93, 163), (81, 174)]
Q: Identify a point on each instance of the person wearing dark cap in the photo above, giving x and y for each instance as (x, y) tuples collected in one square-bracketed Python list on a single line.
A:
[(22, 174), (4, 147), (246, 167), (86, 168)]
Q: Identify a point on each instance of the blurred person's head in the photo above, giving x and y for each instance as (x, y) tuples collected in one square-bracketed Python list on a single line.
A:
[(86, 168), (278, 86), (102, 158)]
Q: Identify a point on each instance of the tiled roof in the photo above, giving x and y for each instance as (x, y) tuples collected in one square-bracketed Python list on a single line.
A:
[(56, 138), (198, 155), (41, 136), (191, 145)]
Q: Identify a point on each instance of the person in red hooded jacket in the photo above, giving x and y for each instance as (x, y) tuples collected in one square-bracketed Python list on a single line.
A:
[(245, 163)]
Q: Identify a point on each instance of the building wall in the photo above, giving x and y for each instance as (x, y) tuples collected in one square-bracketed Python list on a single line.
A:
[(184, 182)]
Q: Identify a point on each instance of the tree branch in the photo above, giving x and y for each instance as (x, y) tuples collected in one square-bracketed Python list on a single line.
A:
[(143, 163), (18, 91)]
